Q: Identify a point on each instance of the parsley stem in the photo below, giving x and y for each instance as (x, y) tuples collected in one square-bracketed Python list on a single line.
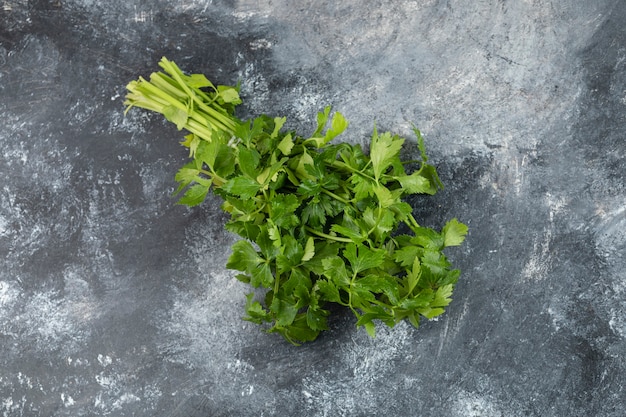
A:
[(343, 165), (147, 89), (203, 131), (213, 176), (224, 122), (412, 223), (350, 294), (276, 283), (335, 196), (327, 236), (154, 97), (380, 216)]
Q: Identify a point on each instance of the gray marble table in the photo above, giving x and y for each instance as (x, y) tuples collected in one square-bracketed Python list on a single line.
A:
[(114, 301)]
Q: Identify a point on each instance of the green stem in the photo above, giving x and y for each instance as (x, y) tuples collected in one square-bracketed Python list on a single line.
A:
[(327, 236), (412, 223), (380, 216), (343, 165), (156, 91), (214, 176), (276, 283), (221, 120), (168, 84), (203, 131), (335, 196)]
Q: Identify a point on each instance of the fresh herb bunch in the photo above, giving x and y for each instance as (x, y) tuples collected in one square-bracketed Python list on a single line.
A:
[(319, 221)]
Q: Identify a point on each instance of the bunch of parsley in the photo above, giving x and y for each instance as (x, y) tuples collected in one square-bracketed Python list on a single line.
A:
[(319, 221)]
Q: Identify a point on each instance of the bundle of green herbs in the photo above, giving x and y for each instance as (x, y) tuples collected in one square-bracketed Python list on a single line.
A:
[(319, 221)]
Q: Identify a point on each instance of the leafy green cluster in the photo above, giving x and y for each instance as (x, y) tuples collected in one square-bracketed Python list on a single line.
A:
[(319, 221)]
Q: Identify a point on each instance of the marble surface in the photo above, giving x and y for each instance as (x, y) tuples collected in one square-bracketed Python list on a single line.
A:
[(115, 301)]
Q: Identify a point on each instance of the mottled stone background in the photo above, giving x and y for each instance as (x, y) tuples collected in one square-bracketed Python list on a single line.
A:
[(115, 301)]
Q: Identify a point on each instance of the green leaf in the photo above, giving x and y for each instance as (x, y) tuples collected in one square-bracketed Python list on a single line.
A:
[(198, 81), (206, 153), (241, 186), (401, 210), (380, 284), (363, 187), (442, 296), (337, 126), (415, 184), (323, 249), (356, 235), (420, 144), (362, 258), (244, 257), (414, 319), (245, 210), (431, 313), (385, 197), (420, 300), (335, 270), (316, 318), (248, 160), (255, 311), (186, 175), (328, 290), (454, 233), (250, 130), (228, 94), (243, 278), (176, 115), (284, 311), (317, 209), (313, 213), (298, 284), (301, 293), (434, 261), (224, 164), (245, 229), (283, 208), (273, 233), (322, 119), (309, 250), (271, 173), (430, 173), (428, 239), (262, 276), (407, 255), (413, 276), (291, 255), (266, 244), (309, 187), (383, 151), (286, 144), (376, 312), (303, 161), (194, 195), (451, 277), (370, 328), (279, 122), (298, 332), (360, 297), (191, 141)]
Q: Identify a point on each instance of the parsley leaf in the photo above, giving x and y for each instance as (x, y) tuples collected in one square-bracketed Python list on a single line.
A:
[(454, 233), (384, 150)]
